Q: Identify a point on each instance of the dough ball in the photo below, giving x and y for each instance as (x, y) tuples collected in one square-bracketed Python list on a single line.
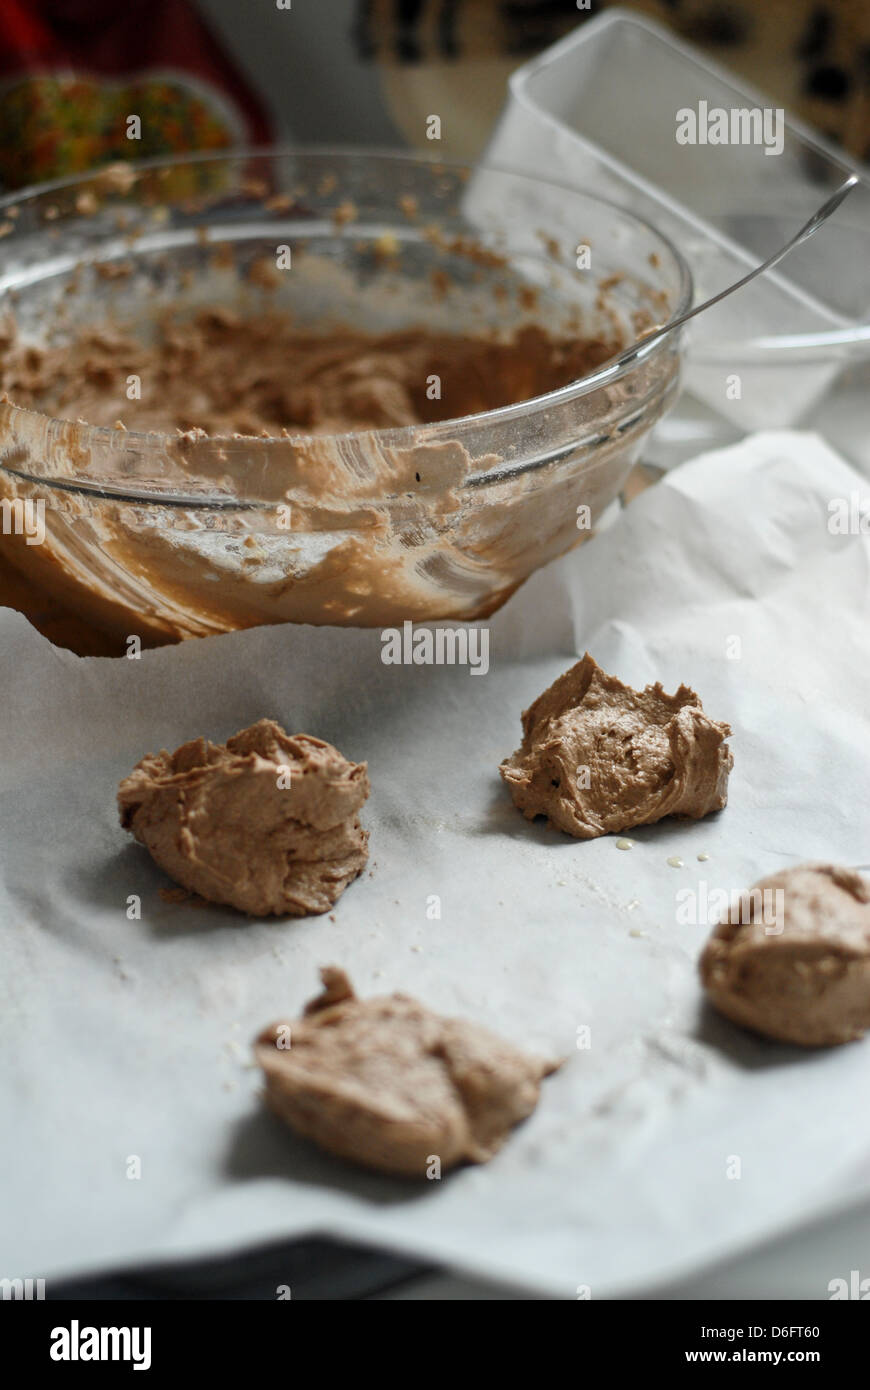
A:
[(793, 960), (388, 1084), (598, 757), (265, 823)]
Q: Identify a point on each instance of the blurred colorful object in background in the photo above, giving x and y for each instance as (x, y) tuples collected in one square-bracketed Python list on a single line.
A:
[(87, 82)]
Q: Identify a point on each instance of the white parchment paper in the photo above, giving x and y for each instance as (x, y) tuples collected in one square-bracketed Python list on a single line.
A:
[(127, 1038)]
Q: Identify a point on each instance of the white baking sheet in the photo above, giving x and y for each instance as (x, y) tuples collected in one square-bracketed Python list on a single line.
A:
[(131, 1037)]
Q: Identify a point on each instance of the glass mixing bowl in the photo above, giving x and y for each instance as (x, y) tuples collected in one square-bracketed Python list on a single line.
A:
[(168, 536)]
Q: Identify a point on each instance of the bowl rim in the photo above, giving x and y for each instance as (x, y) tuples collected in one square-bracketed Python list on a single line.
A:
[(392, 437)]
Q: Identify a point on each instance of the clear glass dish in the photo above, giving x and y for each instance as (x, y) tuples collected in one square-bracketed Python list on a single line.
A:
[(602, 105), (166, 536)]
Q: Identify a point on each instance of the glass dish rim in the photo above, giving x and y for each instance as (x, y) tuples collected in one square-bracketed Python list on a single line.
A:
[(394, 436)]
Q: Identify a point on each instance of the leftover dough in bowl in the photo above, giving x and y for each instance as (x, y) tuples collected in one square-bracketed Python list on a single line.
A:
[(322, 387)]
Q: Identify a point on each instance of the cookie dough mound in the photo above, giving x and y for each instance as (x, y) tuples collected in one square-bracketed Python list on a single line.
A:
[(386, 1083), (598, 756), (266, 823), (795, 966)]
